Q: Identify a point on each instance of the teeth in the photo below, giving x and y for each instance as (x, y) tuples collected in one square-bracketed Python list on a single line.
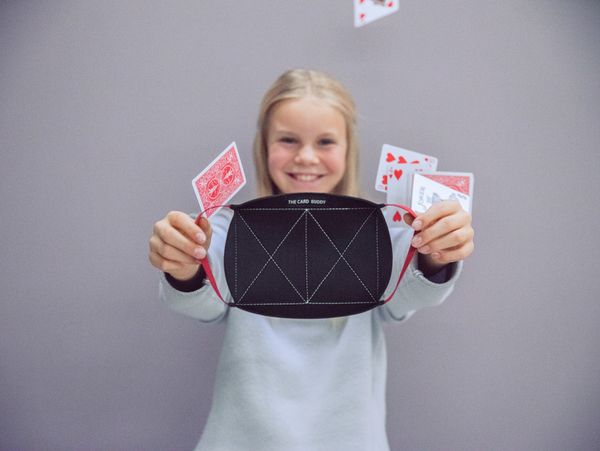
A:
[(306, 177)]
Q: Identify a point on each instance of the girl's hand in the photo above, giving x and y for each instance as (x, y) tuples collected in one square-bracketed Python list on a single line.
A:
[(178, 245), (444, 235)]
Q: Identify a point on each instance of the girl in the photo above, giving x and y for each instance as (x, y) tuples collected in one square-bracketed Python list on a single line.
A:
[(287, 384)]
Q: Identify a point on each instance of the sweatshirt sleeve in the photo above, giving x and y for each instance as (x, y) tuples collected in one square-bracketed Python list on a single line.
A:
[(415, 291), (203, 303)]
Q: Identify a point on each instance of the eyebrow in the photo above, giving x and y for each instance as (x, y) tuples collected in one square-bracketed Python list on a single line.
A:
[(285, 131)]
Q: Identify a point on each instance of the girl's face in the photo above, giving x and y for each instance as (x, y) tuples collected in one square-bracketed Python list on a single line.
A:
[(306, 143)]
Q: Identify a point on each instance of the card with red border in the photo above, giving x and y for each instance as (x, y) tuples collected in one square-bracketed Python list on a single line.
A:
[(429, 188), (219, 181), (458, 181)]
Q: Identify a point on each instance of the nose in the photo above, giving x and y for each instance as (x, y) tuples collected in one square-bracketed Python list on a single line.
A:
[(307, 155)]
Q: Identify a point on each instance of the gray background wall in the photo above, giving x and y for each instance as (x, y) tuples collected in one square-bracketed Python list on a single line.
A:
[(107, 111)]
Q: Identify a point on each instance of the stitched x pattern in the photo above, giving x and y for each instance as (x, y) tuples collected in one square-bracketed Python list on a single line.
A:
[(340, 251)]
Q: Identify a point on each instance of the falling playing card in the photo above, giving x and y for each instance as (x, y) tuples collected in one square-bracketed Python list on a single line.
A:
[(426, 191), (219, 181), (395, 162), (367, 11)]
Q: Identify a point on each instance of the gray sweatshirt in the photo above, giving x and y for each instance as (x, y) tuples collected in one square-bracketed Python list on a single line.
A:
[(301, 385)]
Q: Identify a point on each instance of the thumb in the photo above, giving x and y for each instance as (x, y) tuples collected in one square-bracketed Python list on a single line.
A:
[(408, 218)]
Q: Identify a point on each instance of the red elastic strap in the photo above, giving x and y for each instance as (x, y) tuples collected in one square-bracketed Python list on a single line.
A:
[(409, 255), (205, 264)]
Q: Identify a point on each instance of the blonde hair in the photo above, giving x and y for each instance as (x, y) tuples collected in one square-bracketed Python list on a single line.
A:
[(297, 84)]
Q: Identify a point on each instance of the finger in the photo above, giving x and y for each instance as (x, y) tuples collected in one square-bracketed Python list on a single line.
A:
[(169, 252), (435, 213), (186, 225), (204, 224), (408, 218), (173, 237), (438, 229), (443, 227), (454, 239), (454, 255), (163, 264)]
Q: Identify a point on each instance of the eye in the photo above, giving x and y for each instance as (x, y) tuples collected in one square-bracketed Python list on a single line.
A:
[(287, 140), (326, 142)]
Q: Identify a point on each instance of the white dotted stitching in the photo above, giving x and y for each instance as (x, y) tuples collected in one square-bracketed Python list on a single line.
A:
[(306, 249), (308, 305), (271, 257), (305, 209), (342, 256), (377, 252)]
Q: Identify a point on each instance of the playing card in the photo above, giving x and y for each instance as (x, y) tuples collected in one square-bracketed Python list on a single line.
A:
[(219, 181), (398, 189), (459, 181), (426, 192), (395, 161), (367, 11)]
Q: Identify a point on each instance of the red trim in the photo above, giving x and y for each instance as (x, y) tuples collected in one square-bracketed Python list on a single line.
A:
[(205, 264), (409, 255), (211, 278)]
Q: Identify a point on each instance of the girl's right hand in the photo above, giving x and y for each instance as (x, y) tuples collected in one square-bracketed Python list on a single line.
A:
[(178, 245)]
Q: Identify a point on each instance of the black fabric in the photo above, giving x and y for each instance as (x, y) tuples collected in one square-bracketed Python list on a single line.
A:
[(307, 255)]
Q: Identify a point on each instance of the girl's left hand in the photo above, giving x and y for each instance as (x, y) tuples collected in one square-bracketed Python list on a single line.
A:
[(443, 234)]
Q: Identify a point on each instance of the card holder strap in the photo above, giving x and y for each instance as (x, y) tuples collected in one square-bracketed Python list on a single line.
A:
[(205, 264), (410, 254)]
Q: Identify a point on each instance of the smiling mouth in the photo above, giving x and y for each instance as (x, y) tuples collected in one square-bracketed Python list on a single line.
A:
[(306, 177)]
